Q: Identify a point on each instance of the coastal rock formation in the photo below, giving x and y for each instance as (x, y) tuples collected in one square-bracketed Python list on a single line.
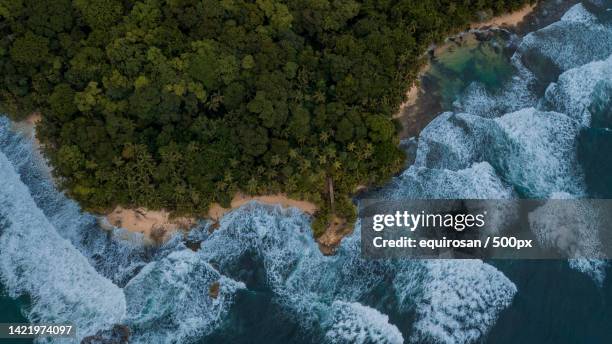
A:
[(118, 334)]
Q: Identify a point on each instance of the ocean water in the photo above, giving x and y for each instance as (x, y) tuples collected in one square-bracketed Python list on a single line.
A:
[(470, 60), (522, 117)]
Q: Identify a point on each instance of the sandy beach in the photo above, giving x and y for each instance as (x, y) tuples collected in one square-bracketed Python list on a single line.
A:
[(156, 225), (216, 211)]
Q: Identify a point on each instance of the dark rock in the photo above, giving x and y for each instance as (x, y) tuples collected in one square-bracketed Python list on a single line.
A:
[(193, 245), (409, 146), (119, 334), (213, 290), (213, 227), (483, 35)]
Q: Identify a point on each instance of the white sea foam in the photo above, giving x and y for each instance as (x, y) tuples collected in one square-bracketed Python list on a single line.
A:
[(532, 150), (170, 300), (354, 323), (448, 142), (279, 239), (514, 95), (282, 241), (577, 39), (594, 268), (579, 14), (535, 151), (577, 90), (455, 301), (537, 154), (459, 301), (118, 256), (310, 284), (36, 261), (573, 229), (479, 181), (476, 100)]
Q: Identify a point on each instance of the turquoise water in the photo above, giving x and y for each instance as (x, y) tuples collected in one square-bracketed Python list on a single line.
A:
[(467, 61), (526, 117)]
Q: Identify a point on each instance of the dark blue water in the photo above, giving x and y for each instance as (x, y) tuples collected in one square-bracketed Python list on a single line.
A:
[(10, 312), (554, 303), (256, 318), (596, 158)]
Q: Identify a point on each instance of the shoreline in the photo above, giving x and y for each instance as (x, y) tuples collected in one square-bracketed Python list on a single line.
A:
[(216, 211), (409, 110), (28, 128), (157, 225)]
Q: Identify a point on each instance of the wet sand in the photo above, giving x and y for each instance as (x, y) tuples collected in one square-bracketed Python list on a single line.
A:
[(216, 211)]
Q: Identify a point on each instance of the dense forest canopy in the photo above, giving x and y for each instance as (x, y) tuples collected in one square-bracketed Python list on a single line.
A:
[(179, 103)]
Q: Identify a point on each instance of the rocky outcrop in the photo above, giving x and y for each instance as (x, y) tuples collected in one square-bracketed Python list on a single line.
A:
[(119, 334)]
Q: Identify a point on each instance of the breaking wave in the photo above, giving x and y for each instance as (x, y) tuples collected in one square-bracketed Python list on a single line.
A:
[(522, 141), (460, 302), (281, 239), (359, 324), (519, 142), (578, 38), (116, 258), (36, 261), (177, 299), (583, 92)]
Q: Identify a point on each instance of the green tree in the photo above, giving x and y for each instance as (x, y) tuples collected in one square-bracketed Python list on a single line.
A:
[(100, 14), (180, 103), (30, 49)]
